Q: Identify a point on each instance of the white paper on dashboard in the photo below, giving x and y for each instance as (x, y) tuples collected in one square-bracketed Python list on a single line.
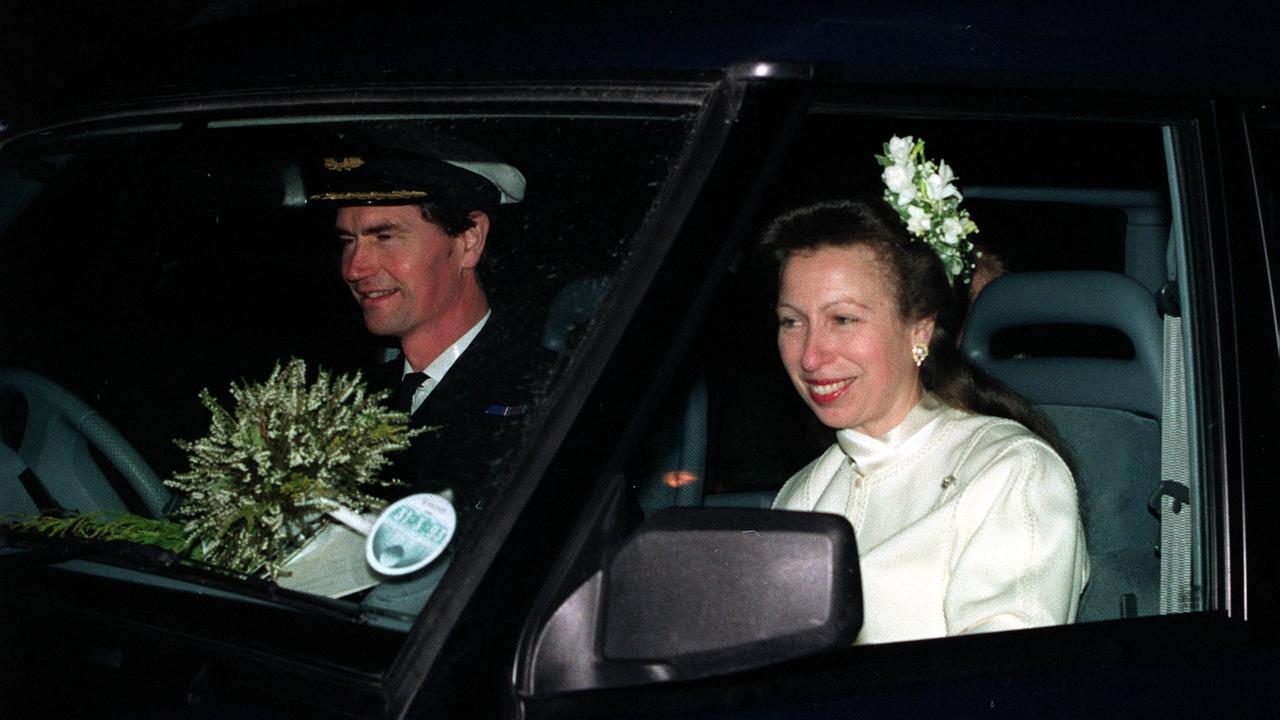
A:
[(331, 564)]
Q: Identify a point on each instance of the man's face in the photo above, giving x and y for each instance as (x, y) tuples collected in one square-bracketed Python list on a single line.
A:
[(405, 272)]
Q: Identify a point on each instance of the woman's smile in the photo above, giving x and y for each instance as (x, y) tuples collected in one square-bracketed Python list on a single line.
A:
[(825, 392), (843, 340)]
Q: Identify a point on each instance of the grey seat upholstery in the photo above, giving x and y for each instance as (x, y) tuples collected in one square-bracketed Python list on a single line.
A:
[(570, 312), (1107, 411), (678, 460)]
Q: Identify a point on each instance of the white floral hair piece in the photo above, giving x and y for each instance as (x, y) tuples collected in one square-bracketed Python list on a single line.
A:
[(923, 195)]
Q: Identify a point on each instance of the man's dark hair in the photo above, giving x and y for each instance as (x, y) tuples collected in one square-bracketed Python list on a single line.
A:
[(449, 217)]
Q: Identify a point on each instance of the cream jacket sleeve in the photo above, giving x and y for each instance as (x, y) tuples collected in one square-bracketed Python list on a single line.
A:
[(1017, 556)]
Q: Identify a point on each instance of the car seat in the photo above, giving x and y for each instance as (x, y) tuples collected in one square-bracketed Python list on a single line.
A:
[(1106, 410), (675, 461)]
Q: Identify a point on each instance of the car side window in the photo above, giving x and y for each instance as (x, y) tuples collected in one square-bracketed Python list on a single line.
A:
[(1082, 219), (146, 263), (1083, 240)]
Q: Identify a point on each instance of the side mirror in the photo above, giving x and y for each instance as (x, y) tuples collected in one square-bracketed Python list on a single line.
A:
[(697, 592)]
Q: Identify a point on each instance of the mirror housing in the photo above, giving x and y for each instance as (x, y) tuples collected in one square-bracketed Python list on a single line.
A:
[(697, 592)]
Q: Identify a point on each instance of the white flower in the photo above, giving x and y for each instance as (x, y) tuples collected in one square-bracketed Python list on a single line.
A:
[(939, 183), (952, 231), (918, 221), (923, 194), (900, 180), (900, 149)]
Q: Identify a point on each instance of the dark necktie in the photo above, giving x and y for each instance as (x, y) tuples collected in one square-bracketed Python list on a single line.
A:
[(403, 400)]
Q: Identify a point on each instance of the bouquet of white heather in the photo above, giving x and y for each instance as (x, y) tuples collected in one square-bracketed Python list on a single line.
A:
[(923, 194), (262, 480)]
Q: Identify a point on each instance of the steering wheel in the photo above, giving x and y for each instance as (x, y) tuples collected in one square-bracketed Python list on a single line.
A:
[(60, 429)]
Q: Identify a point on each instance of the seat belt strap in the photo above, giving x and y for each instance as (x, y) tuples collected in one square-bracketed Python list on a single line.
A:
[(1175, 470)]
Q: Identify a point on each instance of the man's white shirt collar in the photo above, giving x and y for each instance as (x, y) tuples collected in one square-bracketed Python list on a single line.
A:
[(437, 368)]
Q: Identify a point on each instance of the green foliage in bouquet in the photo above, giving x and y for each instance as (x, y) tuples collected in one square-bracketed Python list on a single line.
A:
[(110, 527), (262, 479)]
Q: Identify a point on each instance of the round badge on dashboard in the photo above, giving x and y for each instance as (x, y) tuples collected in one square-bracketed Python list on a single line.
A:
[(410, 533)]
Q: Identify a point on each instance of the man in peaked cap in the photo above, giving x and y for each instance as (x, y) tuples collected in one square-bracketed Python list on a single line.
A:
[(412, 225)]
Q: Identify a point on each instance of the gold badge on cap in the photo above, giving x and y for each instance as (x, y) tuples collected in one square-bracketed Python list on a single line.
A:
[(371, 196), (343, 164)]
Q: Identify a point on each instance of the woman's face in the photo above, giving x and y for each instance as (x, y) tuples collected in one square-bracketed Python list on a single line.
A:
[(843, 341)]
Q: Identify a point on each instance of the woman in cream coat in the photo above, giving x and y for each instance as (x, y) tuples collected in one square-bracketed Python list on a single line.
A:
[(966, 517)]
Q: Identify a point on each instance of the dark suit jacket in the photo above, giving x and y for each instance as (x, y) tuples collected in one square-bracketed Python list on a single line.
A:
[(481, 409)]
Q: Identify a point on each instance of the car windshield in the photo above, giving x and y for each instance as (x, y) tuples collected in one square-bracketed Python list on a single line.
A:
[(143, 265)]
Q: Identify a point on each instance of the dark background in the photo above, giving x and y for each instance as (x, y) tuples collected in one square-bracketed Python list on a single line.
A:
[(48, 47)]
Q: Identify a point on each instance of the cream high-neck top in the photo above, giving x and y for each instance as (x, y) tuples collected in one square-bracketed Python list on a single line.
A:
[(965, 523)]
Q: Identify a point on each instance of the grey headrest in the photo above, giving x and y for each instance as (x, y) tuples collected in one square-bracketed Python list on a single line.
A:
[(1103, 299)]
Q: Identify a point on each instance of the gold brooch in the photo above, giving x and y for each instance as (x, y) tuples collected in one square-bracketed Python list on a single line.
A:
[(343, 164)]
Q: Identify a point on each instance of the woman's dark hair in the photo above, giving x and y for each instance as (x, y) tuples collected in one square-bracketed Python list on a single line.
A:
[(922, 290)]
